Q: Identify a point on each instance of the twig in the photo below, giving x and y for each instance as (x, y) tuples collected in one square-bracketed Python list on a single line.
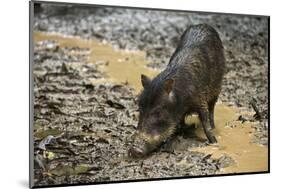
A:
[(258, 115)]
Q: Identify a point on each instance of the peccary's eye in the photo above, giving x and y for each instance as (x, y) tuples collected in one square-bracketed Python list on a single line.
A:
[(140, 111)]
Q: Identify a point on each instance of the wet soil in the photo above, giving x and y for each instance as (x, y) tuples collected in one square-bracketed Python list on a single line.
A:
[(85, 90), (235, 139)]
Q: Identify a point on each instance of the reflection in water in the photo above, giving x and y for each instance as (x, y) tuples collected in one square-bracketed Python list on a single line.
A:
[(119, 66)]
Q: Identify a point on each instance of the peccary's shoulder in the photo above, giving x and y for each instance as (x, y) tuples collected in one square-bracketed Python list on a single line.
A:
[(196, 40), (201, 33), (196, 35)]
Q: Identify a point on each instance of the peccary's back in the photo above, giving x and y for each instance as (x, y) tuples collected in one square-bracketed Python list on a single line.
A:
[(197, 34), (197, 65)]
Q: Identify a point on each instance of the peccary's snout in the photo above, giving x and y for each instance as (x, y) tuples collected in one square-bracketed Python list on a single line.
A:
[(135, 152), (143, 145), (139, 147)]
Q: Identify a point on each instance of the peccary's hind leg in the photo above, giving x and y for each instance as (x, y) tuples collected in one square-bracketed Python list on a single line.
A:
[(205, 121), (211, 107)]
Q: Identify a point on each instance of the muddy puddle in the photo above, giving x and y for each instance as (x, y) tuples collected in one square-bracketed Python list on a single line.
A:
[(235, 139), (118, 66)]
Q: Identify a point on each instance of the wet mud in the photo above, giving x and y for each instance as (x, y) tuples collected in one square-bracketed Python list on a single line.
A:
[(85, 113), (91, 128), (235, 139), (118, 66)]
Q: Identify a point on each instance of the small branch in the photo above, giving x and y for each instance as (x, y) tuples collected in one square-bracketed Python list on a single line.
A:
[(258, 115)]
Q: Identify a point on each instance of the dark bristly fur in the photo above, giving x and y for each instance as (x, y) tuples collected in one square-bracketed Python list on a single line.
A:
[(191, 83)]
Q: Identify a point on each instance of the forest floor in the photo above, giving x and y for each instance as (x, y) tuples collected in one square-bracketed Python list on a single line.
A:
[(86, 68)]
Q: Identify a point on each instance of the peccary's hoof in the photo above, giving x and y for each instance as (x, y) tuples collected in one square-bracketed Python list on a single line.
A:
[(213, 139), (136, 152)]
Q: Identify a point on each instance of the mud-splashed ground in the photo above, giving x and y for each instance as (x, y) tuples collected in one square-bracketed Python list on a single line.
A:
[(85, 113), (91, 113)]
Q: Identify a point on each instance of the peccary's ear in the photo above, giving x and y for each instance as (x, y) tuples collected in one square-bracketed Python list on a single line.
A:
[(168, 85), (145, 81)]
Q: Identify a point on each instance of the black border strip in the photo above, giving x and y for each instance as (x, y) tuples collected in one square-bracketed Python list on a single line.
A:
[(268, 94), (31, 151), (31, 92)]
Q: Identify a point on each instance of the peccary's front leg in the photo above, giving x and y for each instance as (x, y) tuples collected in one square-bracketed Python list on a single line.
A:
[(181, 124), (205, 121)]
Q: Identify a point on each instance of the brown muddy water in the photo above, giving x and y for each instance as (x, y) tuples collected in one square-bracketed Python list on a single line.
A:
[(118, 66), (235, 138)]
